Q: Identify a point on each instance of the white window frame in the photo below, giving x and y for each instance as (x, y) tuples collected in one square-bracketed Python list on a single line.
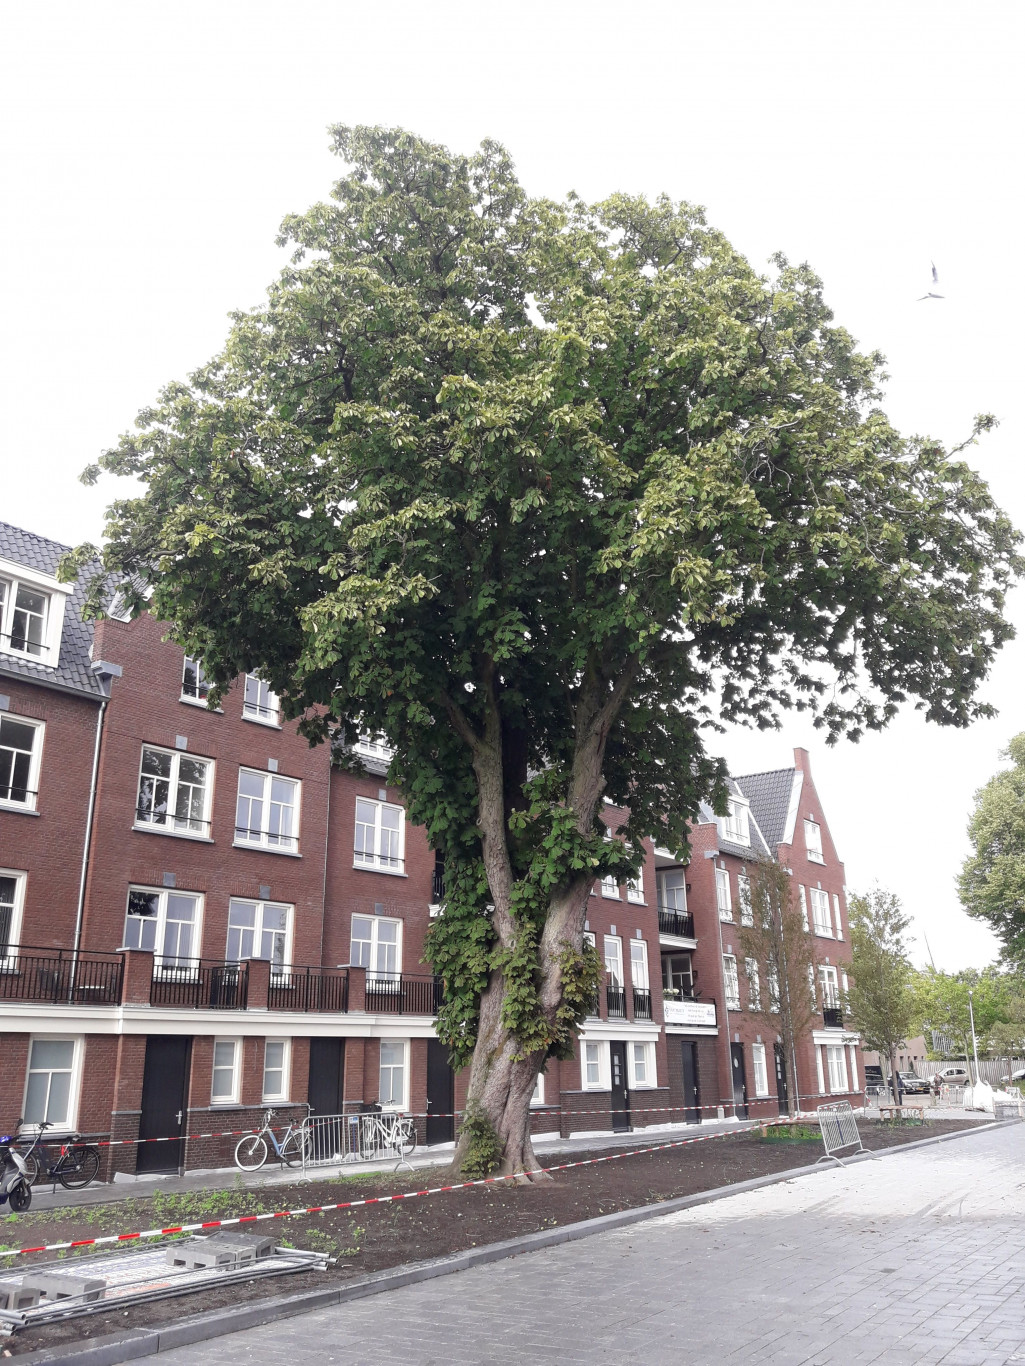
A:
[(731, 981), (645, 1079), (723, 896), (813, 841), (635, 888), (70, 1122), (754, 985), (202, 682), (374, 747), (17, 576), (173, 963), (760, 1070), (278, 969), (9, 951), (610, 888), (375, 945), (744, 899), (537, 1096), (613, 962), (838, 920), (236, 1071), (836, 1064), (829, 986), (852, 1050), (285, 1069), (262, 837), (594, 1054), (394, 865), (803, 895), (735, 827), (169, 825), (403, 1103), (821, 919), (9, 803), (639, 975), (260, 703), (674, 890)]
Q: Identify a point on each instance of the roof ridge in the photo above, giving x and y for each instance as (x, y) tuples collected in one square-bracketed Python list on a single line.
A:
[(23, 531), (762, 773)]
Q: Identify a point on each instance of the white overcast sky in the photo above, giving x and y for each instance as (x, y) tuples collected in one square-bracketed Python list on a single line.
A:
[(149, 151)]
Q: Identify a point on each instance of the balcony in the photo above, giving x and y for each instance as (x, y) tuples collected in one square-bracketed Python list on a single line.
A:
[(401, 994), (60, 976), (615, 997), (680, 924), (309, 989), (642, 1003), (200, 985), (832, 1017)]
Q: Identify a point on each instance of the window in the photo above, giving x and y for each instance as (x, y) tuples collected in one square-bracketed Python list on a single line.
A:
[(166, 923), (731, 980), (593, 1069), (837, 1064), (836, 916), (722, 894), (673, 894), (614, 959), (804, 904), (635, 887), (224, 1081), (772, 975), (375, 747), (829, 987), (393, 1074), (275, 1069), (853, 1054), (537, 1096), (259, 703), (642, 1064), (51, 1087), (820, 911), (195, 687), (377, 946), (259, 929), (174, 791), (813, 841), (610, 887), (754, 989), (744, 897), (639, 964), (379, 836), (12, 898), (24, 610), (760, 1071), (21, 744), (734, 826), (267, 811), (677, 976)]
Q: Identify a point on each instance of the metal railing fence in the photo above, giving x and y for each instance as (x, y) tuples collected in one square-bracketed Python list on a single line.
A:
[(309, 989), (368, 1135), (60, 976), (192, 982)]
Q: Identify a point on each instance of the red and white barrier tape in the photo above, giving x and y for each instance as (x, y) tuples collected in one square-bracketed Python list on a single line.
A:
[(369, 1200)]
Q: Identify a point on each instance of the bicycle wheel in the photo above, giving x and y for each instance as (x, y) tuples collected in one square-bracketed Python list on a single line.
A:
[(292, 1148), (405, 1136), (31, 1168), (251, 1152), (79, 1166)]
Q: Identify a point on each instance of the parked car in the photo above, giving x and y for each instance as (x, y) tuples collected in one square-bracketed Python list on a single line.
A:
[(1015, 1076), (957, 1075), (913, 1085)]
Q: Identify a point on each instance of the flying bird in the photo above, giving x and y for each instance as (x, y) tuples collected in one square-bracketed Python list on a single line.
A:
[(935, 280)]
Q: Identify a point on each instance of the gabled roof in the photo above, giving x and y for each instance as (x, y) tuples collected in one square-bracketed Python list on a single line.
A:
[(759, 846), (73, 668), (770, 795)]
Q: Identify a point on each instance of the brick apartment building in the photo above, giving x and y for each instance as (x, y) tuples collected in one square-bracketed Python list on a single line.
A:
[(202, 917)]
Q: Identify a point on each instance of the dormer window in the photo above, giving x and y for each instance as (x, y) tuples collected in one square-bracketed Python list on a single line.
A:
[(31, 614), (813, 841), (734, 826), (374, 747)]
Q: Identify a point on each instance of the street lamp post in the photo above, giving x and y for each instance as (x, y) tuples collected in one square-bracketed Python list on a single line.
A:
[(975, 1046)]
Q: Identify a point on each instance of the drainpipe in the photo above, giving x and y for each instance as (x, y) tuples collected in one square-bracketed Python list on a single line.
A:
[(104, 672)]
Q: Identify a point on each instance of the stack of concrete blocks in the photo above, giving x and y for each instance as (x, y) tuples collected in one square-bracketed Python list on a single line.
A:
[(56, 1285), (221, 1251), (15, 1296)]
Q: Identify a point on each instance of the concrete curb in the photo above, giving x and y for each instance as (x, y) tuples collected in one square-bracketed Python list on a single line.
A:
[(135, 1343)]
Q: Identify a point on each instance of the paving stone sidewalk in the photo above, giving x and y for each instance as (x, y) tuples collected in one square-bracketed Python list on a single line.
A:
[(918, 1258)]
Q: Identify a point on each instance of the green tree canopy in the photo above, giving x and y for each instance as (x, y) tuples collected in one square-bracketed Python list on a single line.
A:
[(539, 490), (992, 881), (942, 1004)]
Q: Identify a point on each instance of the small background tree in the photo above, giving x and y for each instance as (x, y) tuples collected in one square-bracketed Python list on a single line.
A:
[(880, 996), (780, 944), (941, 1003), (992, 881)]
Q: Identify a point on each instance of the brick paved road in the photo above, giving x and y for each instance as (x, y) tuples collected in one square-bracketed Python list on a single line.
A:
[(919, 1258)]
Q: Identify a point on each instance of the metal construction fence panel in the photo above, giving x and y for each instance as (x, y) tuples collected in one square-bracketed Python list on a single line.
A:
[(839, 1130), (359, 1137)]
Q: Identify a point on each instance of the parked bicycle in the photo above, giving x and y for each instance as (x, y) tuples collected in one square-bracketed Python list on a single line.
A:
[(388, 1132), (252, 1151), (74, 1166)]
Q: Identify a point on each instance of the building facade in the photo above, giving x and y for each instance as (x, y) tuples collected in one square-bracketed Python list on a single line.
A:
[(201, 917)]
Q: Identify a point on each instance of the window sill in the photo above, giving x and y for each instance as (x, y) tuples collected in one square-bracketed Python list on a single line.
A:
[(19, 808), (262, 721), (823, 934), (27, 657), (201, 704), (815, 858), (265, 849), (225, 1105), (726, 917), (173, 834), (611, 896), (370, 868), (633, 901)]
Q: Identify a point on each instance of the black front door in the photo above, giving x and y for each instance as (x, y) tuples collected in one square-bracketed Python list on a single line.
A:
[(739, 1080), (165, 1081), (620, 1095), (440, 1094), (781, 1078), (327, 1072), (692, 1114)]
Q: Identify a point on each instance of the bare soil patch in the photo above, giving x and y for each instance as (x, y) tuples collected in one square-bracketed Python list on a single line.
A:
[(375, 1237)]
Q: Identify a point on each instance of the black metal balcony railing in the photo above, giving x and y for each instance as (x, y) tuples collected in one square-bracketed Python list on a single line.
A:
[(60, 976), (642, 1003), (167, 820), (268, 839), (437, 887), (616, 998), (203, 986), (400, 994), (832, 1017), (309, 989), (672, 921)]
